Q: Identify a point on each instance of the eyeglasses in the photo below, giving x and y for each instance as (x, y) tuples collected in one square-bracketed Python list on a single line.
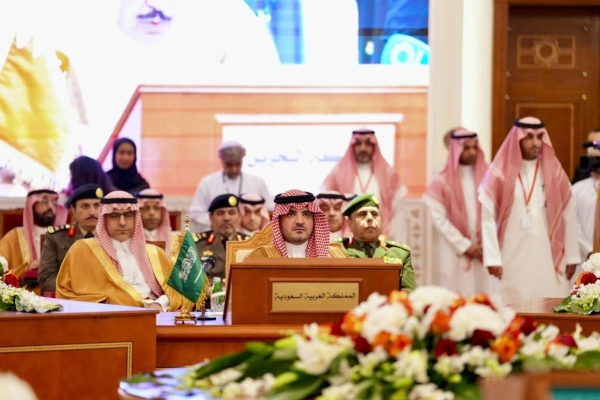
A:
[(129, 215)]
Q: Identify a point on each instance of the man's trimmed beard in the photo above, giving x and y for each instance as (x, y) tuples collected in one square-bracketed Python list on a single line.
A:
[(44, 220)]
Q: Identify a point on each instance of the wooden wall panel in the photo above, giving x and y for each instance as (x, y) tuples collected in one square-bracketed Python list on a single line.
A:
[(181, 134)]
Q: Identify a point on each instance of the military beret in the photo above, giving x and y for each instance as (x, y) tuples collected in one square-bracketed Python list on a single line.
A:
[(87, 191), (223, 201), (362, 200)]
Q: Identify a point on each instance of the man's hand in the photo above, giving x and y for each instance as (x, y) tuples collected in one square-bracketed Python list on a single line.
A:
[(33, 265), (155, 306), (475, 251), (495, 271), (570, 271)]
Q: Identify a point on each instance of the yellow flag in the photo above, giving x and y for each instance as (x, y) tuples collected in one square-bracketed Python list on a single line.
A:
[(34, 119)]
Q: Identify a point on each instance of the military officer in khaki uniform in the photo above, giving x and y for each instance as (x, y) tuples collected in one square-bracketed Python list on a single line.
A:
[(364, 220), (224, 217), (84, 205)]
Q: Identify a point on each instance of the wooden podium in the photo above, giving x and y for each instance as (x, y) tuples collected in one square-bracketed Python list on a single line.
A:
[(290, 291)]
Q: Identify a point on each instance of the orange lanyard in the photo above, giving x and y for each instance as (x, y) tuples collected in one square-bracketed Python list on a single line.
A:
[(525, 195), (363, 189)]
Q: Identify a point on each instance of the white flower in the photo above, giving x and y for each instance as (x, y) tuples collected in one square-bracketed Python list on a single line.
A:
[(412, 365), (374, 301), (4, 264), (435, 296), (312, 330), (14, 388), (478, 356), (316, 356), (590, 343), (224, 377), (368, 362), (346, 391), (493, 369), (249, 388), (388, 318), (449, 365), (429, 392), (344, 374), (535, 349), (467, 319), (548, 332), (592, 264)]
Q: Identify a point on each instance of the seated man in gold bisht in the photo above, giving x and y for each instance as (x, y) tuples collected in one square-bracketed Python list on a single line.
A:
[(300, 229), (117, 266)]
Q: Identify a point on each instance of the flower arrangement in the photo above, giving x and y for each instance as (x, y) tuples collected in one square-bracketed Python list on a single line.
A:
[(585, 296), (14, 298), (429, 344)]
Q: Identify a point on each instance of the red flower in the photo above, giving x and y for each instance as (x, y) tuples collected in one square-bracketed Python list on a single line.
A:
[(523, 325), (445, 347), (585, 278), (361, 345), (566, 340), (528, 326), (482, 338), (336, 329), (10, 279)]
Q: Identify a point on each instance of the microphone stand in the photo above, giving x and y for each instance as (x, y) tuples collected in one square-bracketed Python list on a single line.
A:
[(203, 316)]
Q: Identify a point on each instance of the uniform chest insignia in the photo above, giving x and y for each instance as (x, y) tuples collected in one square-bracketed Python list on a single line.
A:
[(72, 231), (207, 253), (392, 260), (211, 238)]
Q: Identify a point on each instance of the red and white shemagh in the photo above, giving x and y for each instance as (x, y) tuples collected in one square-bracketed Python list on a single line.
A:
[(343, 176), (318, 242), (499, 185), (28, 224), (446, 187), (332, 203), (138, 239), (245, 207), (164, 230)]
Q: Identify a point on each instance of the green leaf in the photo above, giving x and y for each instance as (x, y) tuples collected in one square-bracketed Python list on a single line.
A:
[(221, 363), (141, 378), (532, 364), (285, 379), (596, 306), (364, 389), (306, 386), (588, 360), (289, 354), (257, 367), (578, 310), (259, 348), (467, 392), (564, 306)]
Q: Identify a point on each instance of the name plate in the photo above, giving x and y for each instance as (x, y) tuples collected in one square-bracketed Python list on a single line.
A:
[(314, 296)]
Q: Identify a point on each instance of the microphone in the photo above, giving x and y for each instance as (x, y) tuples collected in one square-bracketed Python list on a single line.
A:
[(595, 144), (209, 264)]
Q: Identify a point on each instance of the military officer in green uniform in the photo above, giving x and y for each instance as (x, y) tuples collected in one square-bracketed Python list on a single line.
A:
[(84, 205), (364, 220), (224, 216)]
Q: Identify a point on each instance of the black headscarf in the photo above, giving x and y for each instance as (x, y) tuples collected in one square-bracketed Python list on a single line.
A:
[(128, 179)]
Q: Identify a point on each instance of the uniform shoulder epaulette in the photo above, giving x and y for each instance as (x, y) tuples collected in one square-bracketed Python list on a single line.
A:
[(346, 242), (397, 244), (54, 229), (242, 236), (198, 237)]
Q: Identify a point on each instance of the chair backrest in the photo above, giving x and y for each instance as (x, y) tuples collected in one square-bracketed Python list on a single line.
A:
[(158, 243), (238, 251), (10, 219), (42, 239), (175, 220)]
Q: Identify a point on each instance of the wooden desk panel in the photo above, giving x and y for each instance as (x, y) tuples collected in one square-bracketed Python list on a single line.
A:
[(86, 348), (541, 311), (181, 345)]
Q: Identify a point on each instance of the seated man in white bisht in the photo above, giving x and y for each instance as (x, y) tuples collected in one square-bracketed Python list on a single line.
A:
[(231, 179), (155, 217), (585, 193), (253, 213), (456, 214), (528, 222), (117, 266)]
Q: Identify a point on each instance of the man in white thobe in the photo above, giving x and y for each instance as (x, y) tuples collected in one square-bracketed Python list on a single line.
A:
[(585, 193), (363, 169), (528, 222), (230, 179), (456, 215)]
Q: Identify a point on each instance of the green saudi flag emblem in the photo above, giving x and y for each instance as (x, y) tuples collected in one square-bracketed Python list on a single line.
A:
[(188, 277)]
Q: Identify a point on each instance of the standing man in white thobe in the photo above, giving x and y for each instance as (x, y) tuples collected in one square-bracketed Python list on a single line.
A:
[(585, 193), (363, 169), (528, 221), (456, 214), (229, 180)]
